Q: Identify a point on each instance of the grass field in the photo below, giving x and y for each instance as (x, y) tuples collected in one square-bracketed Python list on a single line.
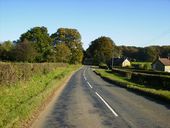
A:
[(19, 102), (142, 63), (122, 81)]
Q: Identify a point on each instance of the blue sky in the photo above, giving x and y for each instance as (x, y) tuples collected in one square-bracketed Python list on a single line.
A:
[(127, 22)]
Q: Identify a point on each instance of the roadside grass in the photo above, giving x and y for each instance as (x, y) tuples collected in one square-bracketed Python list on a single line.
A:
[(122, 81), (19, 102)]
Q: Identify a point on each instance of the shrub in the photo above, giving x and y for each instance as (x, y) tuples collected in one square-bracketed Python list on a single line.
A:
[(11, 73), (152, 72), (124, 73), (156, 81), (103, 66), (144, 66), (159, 80)]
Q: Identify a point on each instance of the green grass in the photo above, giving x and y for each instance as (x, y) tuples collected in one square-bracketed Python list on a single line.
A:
[(115, 77), (163, 94), (19, 102), (141, 62), (142, 65)]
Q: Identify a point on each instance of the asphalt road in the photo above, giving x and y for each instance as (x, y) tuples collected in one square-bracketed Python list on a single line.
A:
[(88, 101)]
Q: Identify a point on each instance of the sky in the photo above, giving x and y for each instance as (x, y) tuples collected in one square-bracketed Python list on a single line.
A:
[(127, 22)]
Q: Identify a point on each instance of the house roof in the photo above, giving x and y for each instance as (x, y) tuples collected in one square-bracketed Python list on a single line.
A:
[(165, 61)]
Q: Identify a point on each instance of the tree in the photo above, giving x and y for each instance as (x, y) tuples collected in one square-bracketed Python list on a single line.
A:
[(41, 41), (151, 53), (24, 51), (72, 39), (102, 50), (61, 53), (132, 52), (164, 51), (76, 54), (5, 49)]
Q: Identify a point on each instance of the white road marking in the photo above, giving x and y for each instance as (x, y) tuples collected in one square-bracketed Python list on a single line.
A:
[(89, 85), (84, 74), (107, 105), (84, 71)]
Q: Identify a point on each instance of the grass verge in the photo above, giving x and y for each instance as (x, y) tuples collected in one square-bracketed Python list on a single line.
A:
[(19, 102), (123, 82)]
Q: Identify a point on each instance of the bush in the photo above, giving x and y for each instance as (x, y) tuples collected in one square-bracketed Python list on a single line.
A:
[(155, 81), (20, 104), (144, 66), (103, 66), (124, 73), (159, 80), (162, 95), (152, 72), (11, 73), (147, 66)]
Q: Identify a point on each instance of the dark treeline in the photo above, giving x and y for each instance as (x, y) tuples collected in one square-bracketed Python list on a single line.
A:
[(101, 50), (36, 45), (65, 45), (149, 53)]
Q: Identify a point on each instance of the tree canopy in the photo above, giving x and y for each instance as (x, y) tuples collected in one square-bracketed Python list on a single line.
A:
[(5, 49), (72, 39), (24, 52), (41, 41), (149, 53), (61, 53), (102, 50), (36, 45)]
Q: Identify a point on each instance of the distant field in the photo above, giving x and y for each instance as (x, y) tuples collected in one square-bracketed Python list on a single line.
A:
[(142, 63)]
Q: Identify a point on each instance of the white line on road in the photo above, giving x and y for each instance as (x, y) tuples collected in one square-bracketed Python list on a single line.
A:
[(107, 105), (84, 74), (89, 85)]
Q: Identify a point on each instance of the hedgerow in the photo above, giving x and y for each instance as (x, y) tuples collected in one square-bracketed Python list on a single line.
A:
[(11, 73), (156, 81)]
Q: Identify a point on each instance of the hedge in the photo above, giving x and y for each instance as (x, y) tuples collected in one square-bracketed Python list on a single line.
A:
[(142, 66), (103, 66), (152, 72), (155, 81), (11, 73), (161, 95), (144, 71), (124, 73)]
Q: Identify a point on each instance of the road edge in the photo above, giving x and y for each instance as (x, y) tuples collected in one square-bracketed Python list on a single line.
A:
[(48, 103)]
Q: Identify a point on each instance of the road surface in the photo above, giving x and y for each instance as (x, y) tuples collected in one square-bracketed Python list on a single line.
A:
[(88, 101)]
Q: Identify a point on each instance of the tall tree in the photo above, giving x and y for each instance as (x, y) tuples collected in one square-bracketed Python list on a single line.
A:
[(151, 53), (5, 49), (164, 51), (61, 53), (71, 38), (41, 41), (24, 52), (102, 50)]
